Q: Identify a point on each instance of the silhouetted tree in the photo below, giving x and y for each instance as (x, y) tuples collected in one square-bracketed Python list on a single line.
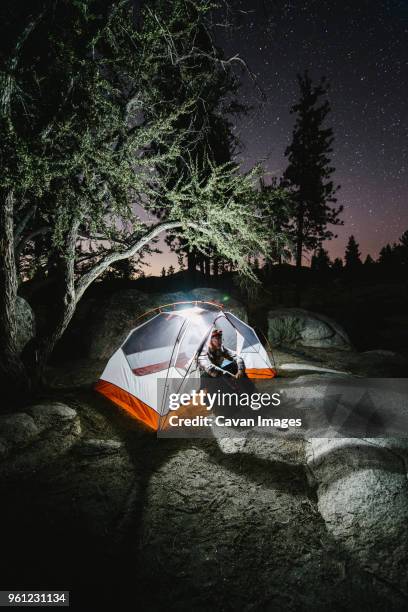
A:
[(180, 261), (352, 255), (309, 171), (337, 265), (320, 261), (124, 269), (369, 261), (403, 246), (387, 255), (404, 239), (395, 255)]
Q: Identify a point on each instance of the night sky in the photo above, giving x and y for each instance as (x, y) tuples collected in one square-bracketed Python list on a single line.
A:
[(362, 48)]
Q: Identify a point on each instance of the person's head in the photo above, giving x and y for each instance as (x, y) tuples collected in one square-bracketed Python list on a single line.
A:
[(216, 339)]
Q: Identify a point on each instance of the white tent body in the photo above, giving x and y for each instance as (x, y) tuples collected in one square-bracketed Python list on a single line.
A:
[(159, 355)]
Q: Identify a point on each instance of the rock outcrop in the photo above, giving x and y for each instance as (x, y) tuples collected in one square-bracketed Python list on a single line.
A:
[(266, 523), (371, 364), (112, 320), (294, 326), (30, 440), (362, 493)]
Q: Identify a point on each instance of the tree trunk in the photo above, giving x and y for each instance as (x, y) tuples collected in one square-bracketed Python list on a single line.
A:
[(216, 263), (64, 305), (191, 265), (207, 268), (13, 379)]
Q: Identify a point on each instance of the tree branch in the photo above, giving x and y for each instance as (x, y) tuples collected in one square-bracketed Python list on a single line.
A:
[(111, 258)]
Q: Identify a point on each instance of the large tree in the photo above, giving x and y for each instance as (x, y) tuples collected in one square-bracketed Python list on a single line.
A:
[(88, 141), (209, 140), (309, 171)]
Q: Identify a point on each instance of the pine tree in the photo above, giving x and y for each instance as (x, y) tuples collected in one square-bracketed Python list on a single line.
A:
[(320, 260), (404, 239), (352, 255), (403, 248), (163, 271), (309, 171), (369, 261), (386, 256), (397, 254), (337, 266), (170, 271)]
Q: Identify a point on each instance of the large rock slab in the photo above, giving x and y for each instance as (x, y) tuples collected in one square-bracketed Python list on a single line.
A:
[(25, 323), (370, 364), (361, 484), (17, 429), (295, 326), (227, 531), (68, 515), (362, 494), (31, 440), (98, 478), (206, 514)]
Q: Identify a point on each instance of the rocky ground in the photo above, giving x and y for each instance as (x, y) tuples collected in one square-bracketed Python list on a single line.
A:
[(92, 501)]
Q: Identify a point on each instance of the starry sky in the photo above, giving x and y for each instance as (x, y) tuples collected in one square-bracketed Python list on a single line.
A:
[(361, 46)]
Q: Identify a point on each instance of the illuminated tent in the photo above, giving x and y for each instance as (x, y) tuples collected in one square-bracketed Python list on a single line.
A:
[(161, 354)]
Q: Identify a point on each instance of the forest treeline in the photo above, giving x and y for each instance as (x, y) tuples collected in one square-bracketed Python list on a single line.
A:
[(392, 258)]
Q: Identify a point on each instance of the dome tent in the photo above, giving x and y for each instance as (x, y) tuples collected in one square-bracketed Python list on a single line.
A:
[(161, 354)]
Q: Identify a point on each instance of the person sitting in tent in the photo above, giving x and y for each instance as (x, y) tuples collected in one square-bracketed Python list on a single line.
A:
[(228, 378), (213, 355)]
